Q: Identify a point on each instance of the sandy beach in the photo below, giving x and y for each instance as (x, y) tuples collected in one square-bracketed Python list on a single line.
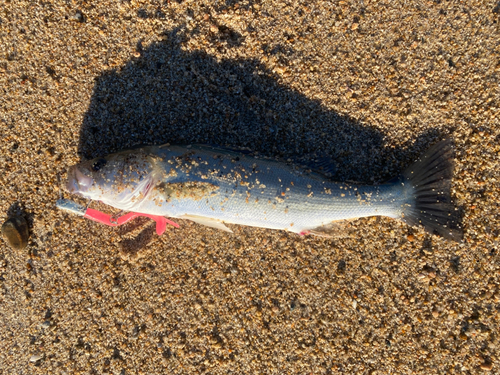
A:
[(369, 84)]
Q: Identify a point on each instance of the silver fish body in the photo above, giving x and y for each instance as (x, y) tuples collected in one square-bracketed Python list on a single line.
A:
[(214, 186)]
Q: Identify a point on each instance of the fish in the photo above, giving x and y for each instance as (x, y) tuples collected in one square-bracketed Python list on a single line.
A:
[(216, 186)]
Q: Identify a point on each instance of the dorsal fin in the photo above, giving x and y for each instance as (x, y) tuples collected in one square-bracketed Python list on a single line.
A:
[(322, 166)]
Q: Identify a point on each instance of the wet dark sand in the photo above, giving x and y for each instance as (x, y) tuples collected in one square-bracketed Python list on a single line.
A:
[(369, 84)]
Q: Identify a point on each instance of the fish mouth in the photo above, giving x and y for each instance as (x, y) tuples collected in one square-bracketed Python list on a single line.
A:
[(78, 182)]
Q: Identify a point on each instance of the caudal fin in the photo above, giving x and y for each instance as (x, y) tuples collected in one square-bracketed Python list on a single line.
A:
[(428, 182)]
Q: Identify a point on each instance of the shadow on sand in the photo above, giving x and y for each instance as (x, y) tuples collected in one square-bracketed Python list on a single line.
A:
[(169, 95)]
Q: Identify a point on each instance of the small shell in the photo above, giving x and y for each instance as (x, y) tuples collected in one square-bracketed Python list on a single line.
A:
[(16, 233)]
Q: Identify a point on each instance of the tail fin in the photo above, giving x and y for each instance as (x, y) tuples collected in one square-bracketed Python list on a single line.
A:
[(429, 181)]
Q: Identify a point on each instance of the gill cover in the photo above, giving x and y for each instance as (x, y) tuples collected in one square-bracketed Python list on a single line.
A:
[(121, 180)]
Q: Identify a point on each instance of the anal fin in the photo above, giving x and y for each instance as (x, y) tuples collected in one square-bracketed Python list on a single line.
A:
[(213, 223), (335, 229)]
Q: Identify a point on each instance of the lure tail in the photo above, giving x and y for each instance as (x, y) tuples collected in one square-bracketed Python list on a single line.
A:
[(427, 183)]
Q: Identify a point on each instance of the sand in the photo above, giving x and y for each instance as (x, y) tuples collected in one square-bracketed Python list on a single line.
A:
[(369, 84)]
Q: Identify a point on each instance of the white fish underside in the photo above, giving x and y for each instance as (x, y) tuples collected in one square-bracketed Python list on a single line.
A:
[(238, 189)]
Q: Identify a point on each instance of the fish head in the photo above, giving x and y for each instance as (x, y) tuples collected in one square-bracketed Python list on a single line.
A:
[(120, 180)]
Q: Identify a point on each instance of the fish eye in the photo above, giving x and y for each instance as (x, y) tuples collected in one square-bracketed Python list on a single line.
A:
[(98, 164)]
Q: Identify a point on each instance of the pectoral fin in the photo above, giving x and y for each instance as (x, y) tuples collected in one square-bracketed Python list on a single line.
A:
[(207, 221)]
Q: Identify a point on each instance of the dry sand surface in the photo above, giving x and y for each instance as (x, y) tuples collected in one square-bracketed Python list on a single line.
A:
[(370, 84)]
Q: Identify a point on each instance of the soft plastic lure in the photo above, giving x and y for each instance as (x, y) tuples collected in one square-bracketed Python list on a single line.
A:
[(106, 219)]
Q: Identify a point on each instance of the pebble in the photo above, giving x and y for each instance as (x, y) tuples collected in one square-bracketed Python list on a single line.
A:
[(77, 16), (35, 358), (16, 233), (486, 366), (45, 324)]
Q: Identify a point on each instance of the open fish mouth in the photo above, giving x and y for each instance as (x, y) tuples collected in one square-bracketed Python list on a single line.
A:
[(78, 182)]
